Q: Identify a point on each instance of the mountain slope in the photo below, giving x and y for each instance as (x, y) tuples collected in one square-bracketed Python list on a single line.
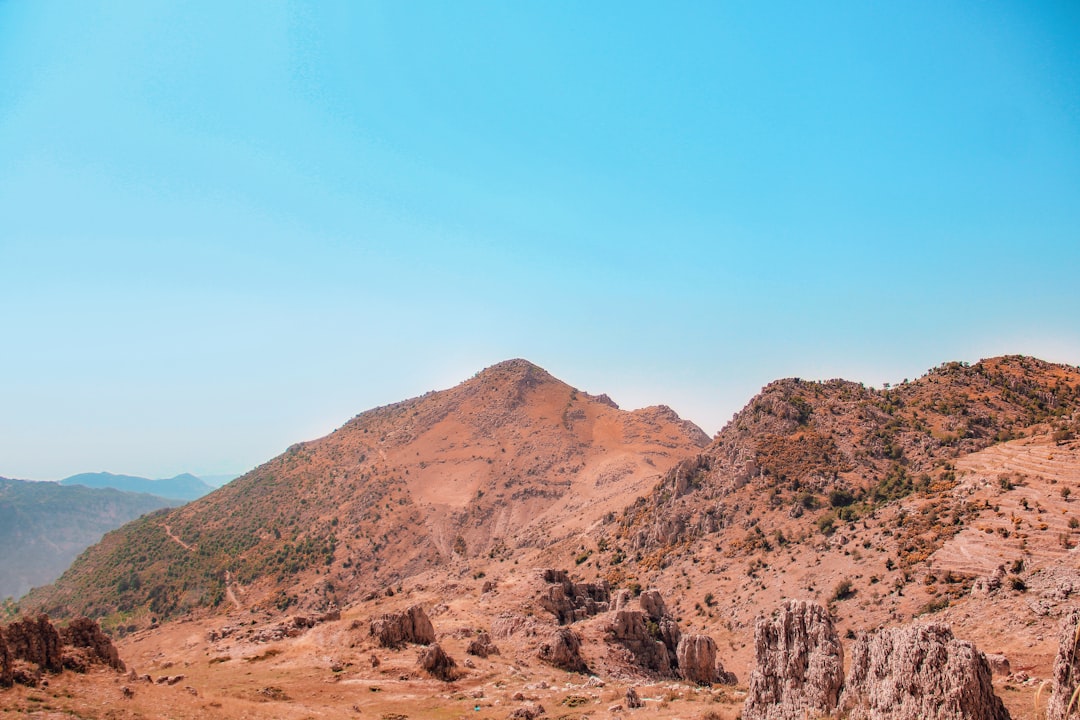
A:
[(182, 487), (44, 526), (503, 466)]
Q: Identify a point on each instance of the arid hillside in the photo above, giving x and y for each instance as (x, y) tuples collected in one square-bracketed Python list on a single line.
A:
[(509, 464)]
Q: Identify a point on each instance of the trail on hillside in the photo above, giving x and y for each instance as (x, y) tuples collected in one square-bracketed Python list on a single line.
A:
[(176, 539)]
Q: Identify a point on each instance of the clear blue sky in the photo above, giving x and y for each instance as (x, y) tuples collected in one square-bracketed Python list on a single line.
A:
[(227, 227)]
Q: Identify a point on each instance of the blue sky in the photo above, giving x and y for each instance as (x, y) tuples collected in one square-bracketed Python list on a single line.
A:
[(227, 227)]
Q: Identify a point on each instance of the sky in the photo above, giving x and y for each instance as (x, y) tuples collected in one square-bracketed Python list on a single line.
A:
[(229, 227)]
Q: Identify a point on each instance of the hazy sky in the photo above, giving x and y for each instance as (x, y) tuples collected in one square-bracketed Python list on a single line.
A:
[(226, 227)]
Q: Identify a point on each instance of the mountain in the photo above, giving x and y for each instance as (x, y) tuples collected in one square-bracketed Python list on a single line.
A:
[(182, 487), (520, 512), (512, 463), (44, 526)]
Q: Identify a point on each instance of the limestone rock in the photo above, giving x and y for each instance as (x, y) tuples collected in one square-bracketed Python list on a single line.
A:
[(481, 646), (799, 664), (527, 712), (569, 601), (394, 630), (85, 633), (999, 664), (919, 672), (563, 650), (35, 640), (630, 629), (697, 663), (1066, 669), (437, 663)]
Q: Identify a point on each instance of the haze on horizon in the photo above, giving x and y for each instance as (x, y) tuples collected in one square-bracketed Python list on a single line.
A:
[(227, 228)]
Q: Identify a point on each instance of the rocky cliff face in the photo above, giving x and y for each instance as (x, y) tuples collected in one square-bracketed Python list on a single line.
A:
[(799, 664), (1066, 669), (919, 672), (904, 673)]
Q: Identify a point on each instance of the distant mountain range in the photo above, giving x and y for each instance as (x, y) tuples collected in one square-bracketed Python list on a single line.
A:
[(44, 526), (182, 487)]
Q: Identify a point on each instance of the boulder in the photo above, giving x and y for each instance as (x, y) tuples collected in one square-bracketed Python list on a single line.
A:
[(569, 601), (633, 700), (481, 646), (527, 712), (919, 672), (36, 641), (1066, 669), (563, 650), (83, 632), (697, 662), (799, 664), (641, 636), (435, 662), (394, 630)]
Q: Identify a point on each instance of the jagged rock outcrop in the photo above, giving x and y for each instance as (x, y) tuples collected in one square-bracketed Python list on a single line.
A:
[(434, 661), (36, 641), (633, 700), (5, 662), (630, 629), (989, 584), (696, 655), (527, 712), (85, 634), (563, 650), (919, 672), (569, 601), (482, 646), (651, 634), (799, 664), (394, 630), (1066, 669)]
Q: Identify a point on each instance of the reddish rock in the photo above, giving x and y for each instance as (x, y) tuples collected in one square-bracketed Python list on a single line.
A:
[(481, 646), (563, 650), (35, 640), (435, 662), (633, 700), (83, 632), (394, 630), (5, 662)]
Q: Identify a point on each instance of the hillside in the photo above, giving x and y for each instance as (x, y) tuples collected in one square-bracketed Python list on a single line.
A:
[(949, 498), (509, 465), (182, 487), (44, 527)]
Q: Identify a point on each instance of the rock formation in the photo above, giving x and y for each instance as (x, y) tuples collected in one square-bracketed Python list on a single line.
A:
[(36, 641), (650, 634), (919, 672), (394, 630), (633, 700), (437, 663), (563, 650), (569, 601), (799, 664), (629, 629), (5, 662), (1066, 669), (696, 655), (481, 646), (85, 633)]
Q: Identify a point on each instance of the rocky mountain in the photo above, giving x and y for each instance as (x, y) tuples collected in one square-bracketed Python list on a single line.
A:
[(510, 465), (181, 487), (44, 527), (545, 553)]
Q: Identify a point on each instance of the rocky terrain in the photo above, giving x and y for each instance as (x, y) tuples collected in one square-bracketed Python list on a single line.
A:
[(514, 547)]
